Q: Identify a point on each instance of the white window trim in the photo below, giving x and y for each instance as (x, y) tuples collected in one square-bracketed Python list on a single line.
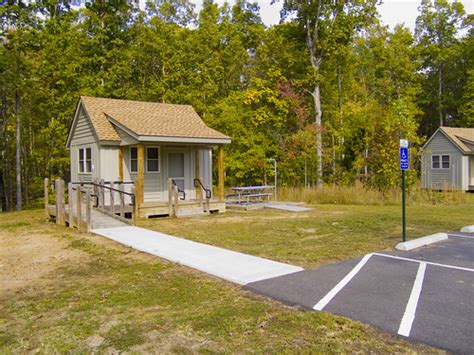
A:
[(84, 162), (441, 161), (440, 156), (130, 160), (159, 160)]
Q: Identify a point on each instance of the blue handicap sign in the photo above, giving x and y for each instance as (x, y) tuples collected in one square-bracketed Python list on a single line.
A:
[(404, 163)]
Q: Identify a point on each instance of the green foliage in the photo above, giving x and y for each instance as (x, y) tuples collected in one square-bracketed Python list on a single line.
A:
[(253, 83), (443, 63)]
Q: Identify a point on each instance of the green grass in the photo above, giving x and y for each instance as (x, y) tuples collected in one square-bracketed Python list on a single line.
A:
[(328, 233), (114, 299)]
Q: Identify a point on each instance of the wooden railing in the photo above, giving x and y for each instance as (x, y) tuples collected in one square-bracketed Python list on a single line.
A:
[(105, 193), (83, 196)]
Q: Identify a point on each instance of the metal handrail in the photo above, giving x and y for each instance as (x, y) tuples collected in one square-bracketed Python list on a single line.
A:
[(106, 187), (208, 191), (183, 192)]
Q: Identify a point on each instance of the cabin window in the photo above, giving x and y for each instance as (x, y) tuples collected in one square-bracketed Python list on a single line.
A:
[(440, 162), (133, 159), (152, 160), (445, 161), (85, 160)]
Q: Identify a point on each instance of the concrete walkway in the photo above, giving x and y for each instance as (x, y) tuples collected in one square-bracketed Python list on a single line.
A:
[(229, 265)]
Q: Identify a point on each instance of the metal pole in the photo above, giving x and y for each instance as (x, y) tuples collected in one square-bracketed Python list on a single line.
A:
[(275, 170), (404, 218)]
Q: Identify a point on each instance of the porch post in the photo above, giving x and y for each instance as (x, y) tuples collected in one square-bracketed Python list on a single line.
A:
[(140, 176), (120, 162), (221, 173), (196, 173)]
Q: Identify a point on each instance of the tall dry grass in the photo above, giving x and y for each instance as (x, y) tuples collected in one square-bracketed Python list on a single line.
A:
[(358, 194)]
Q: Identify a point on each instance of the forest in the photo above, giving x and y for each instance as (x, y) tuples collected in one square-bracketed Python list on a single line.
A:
[(328, 92)]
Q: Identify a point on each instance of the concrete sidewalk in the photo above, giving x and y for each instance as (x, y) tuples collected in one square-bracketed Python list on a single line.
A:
[(229, 265)]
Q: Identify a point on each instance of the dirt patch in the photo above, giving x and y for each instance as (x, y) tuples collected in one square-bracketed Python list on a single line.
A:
[(26, 259)]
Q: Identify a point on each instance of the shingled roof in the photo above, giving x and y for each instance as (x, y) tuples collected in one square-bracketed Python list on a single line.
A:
[(147, 121), (463, 138)]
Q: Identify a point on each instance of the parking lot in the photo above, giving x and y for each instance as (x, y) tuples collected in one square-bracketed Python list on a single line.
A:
[(425, 295)]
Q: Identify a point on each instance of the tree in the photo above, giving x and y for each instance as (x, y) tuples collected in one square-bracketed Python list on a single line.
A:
[(325, 23), (436, 32), (17, 25)]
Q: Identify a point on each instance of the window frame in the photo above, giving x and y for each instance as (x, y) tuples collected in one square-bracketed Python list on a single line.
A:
[(449, 161), (131, 159), (440, 161), (82, 164), (158, 160)]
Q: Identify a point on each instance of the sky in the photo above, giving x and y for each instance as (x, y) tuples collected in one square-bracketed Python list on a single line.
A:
[(391, 12)]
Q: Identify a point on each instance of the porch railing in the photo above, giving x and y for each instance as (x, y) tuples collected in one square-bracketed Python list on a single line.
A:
[(83, 196)]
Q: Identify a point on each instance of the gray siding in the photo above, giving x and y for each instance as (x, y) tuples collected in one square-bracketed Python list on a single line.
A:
[(153, 182), (83, 128), (83, 137), (452, 178)]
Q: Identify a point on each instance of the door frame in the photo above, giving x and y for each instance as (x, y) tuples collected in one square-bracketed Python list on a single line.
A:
[(187, 187)]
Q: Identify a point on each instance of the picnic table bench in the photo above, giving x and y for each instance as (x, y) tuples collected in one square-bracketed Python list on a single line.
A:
[(246, 193)]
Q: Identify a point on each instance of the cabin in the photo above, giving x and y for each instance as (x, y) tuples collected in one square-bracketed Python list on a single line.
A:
[(148, 146), (448, 160)]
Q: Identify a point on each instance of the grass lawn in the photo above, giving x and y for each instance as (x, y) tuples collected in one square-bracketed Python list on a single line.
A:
[(328, 233), (67, 292)]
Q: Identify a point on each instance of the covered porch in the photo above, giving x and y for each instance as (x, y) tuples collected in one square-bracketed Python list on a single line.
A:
[(171, 179)]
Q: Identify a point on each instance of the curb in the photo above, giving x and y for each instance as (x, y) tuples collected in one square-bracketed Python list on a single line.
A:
[(468, 229), (420, 242)]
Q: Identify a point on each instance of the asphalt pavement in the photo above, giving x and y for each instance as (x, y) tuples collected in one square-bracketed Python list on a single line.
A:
[(425, 294)]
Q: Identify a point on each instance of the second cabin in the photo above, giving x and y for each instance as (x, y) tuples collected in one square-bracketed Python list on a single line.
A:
[(149, 146)]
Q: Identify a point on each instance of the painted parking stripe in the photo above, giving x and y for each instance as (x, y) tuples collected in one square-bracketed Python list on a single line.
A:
[(331, 294), (427, 262), (461, 236), (409, 315)]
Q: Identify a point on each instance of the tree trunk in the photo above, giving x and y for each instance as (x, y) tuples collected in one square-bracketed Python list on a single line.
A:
[(341, 120), (18, 151), (440, 94), (4, 157), (315, 57), (319, 144)]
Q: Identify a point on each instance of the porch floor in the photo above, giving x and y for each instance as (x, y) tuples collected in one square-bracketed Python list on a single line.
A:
[(185, 207)]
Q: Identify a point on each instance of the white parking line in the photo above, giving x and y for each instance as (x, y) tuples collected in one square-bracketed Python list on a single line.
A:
[(409, 315), (427, 262), (461, 236), (331, 294)]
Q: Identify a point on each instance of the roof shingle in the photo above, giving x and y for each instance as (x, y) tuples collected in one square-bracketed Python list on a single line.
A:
[(459, 136), (146, 119)]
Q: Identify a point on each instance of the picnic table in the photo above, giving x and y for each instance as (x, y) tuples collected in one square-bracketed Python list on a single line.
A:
[(255, 192)]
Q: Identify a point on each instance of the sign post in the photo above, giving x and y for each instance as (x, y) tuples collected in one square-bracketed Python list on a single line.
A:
[(404, 165)]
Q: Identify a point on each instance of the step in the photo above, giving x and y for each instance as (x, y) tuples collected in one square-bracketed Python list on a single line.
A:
[(191, 212)]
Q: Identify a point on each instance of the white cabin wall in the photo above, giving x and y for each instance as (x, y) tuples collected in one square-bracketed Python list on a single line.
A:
[(465, 173), (109, 165), (205, 167)]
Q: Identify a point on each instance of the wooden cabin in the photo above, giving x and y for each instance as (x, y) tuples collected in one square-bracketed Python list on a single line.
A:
[(448, 160), (147, 143)]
